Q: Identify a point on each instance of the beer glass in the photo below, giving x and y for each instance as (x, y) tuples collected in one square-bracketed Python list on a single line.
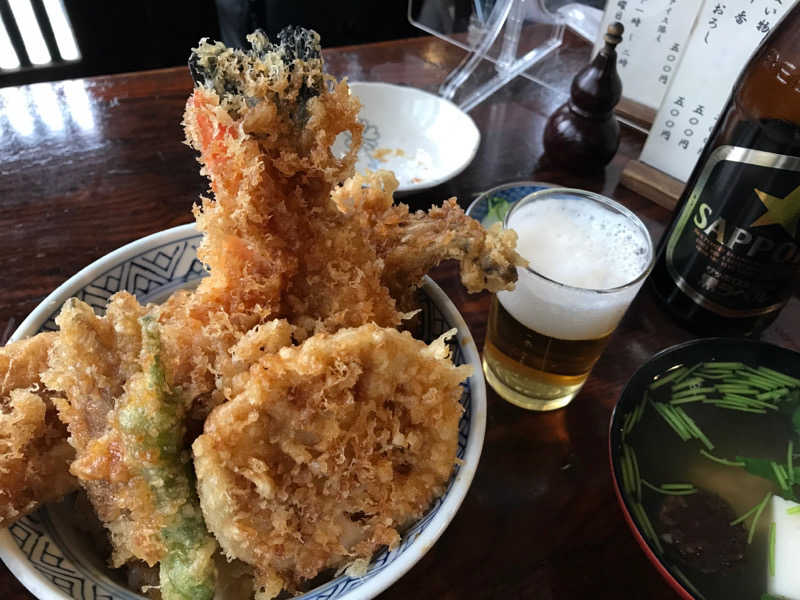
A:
[(588, 256)]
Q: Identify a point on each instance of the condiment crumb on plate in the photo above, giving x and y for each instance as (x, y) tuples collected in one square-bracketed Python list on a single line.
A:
[(383, 154), (424, 139)]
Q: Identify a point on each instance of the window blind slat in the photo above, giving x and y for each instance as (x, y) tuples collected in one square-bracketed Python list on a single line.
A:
[(47, 30), (14, 35)]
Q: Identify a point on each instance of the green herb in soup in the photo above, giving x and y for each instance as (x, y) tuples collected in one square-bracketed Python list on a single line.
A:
[(710, 472)]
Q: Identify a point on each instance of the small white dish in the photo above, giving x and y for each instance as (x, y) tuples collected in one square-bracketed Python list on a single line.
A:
[(55, 562), (424, 139)]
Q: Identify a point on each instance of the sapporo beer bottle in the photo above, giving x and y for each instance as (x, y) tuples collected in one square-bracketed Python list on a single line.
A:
[(727, 263)]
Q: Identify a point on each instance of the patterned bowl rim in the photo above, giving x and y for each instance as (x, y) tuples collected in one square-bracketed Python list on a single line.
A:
[(20, 566), (479, 207)]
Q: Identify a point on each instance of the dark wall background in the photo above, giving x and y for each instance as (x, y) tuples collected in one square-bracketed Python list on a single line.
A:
[(118, 36), (339, 22), (121, 36)]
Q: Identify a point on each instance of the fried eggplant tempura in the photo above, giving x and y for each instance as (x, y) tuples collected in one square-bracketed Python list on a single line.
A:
[(330, 449), (34, 453)]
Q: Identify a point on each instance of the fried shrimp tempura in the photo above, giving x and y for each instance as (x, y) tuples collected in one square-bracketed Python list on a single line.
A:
[(276, 245), (34, 453), (329, 450), (277, 241)]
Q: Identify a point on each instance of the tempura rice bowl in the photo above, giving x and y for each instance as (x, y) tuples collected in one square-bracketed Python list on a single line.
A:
[(54, 561)]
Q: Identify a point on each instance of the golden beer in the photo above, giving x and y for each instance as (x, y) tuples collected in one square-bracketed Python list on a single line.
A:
[(588, 258), (534, 370)]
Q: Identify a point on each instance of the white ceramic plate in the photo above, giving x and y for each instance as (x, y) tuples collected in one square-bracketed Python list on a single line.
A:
[(55, 562), (423, 138)]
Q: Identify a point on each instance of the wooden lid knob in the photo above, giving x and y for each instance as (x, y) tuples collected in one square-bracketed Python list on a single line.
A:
[(614, 34)]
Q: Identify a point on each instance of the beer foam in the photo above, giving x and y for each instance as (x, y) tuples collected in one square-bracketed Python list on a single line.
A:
[(586, 246), (580, 243)]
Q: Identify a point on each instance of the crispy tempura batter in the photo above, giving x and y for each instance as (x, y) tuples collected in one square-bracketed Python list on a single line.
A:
[(90, 362), (410, 244), (278, 245), (127, 425), (275, 243), (315, 455), (329, 449), (34, 454)]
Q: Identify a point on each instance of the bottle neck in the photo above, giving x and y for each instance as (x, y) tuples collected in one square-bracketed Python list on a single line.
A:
[(769, 88)]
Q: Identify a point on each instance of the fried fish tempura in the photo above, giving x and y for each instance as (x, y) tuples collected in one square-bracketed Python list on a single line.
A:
[(330, 449), (90, 362), (411, 244), (34, 454)]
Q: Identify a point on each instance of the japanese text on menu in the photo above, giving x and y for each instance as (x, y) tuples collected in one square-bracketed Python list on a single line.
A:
[(655, 36), (725, 35)]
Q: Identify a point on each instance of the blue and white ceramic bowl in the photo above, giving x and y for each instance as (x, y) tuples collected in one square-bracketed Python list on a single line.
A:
[(55, 562), (492, 205)]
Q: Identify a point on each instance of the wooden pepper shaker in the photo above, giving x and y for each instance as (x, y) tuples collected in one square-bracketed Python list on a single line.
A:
[(583, 134)]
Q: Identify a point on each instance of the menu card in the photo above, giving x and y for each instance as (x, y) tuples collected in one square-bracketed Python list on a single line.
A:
[(654, 40), (725, 34)]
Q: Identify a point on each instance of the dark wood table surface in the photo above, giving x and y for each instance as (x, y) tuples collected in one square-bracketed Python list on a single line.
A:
[(89, 165)]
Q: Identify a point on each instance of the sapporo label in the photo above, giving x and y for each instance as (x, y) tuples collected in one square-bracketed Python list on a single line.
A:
[(734, 248)]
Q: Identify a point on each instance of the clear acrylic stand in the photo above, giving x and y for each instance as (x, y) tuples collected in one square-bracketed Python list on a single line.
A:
[(504, 39)]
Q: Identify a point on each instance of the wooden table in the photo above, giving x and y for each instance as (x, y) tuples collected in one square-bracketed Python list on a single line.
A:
[(89, 165)]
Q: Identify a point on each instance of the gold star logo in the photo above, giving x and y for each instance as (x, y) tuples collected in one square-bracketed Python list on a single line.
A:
[(780, 211)]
